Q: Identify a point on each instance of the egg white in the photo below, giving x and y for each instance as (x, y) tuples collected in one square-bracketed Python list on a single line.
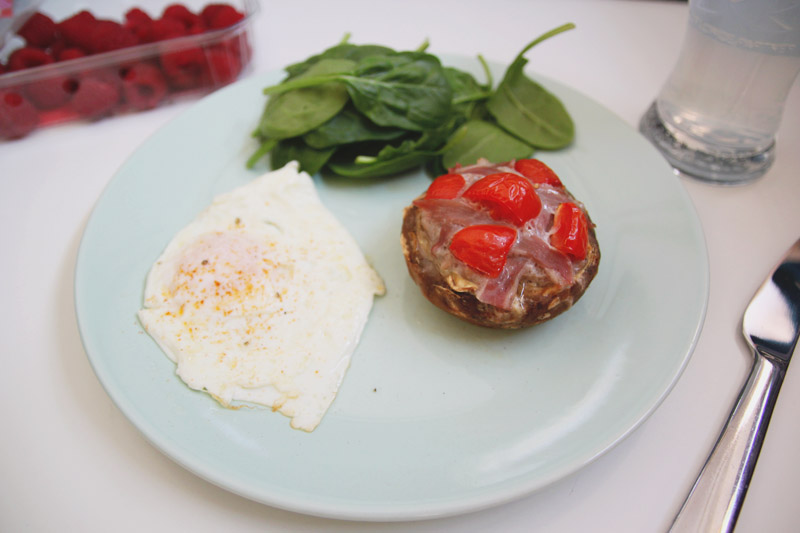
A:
[(263, 298)]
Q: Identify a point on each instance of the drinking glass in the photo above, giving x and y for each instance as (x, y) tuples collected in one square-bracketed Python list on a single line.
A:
[(718, 112)]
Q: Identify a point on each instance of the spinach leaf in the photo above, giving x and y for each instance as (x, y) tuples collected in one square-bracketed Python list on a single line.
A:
[(379, 168), (343, 50), (528, 110), (478, 138), (349, 126), (406, 90), (391, 159), (467, 92), (295, 112), (310, 159)]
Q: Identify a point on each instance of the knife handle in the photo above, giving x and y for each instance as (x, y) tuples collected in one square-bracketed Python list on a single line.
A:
[(716, 498)]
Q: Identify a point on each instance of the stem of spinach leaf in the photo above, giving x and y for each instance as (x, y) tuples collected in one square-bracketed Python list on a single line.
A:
[(489, 83), (545, 36), (487, 71), (472, 98), (265, 148)]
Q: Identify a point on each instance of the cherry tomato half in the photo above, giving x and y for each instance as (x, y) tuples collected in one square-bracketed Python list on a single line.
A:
[(570, 231), (506, 196), (445, 187), (537, 172), (484, 247)]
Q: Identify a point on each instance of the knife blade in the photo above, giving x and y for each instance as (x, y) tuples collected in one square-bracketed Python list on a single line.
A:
[(771, 325)]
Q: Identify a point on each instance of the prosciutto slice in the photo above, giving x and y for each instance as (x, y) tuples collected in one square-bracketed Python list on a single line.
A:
[(500, 291), (531, 246)]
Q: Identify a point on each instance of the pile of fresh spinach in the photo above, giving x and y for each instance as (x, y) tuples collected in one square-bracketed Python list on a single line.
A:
[(370, 111)]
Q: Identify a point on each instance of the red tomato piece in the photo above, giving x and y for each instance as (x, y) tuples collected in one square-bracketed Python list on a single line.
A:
[(570, 231), (537, 172), (484, 247), (506, 196), (445, 187)]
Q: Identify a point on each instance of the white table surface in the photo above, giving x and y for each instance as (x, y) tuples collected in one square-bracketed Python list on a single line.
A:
[(70, 461)]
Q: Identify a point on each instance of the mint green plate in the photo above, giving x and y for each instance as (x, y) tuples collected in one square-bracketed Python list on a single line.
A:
[(435, 417)]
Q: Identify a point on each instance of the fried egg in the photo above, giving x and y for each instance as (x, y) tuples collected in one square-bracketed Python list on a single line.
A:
[(262, 299)]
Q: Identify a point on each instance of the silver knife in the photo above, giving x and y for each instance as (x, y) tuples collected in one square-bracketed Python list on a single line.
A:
[(771, 325)]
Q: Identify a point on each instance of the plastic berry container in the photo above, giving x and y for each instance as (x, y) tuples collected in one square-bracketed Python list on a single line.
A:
[(90, 61)]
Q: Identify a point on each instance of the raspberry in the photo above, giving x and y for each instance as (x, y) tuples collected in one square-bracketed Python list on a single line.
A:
[(70, 53), (110, 76), (197, 29), (224, 67), (136, 17), (208, 12), (107, 35), (76, 30), (217, 16), (239, 47), (143, 86), (58, 115), (143, 32), (57, 47), (140, 23), (27, 57), (185, 69), (182, 14), (18, 117), (39, 30), (167, 28), (50, 93), (95, 98)]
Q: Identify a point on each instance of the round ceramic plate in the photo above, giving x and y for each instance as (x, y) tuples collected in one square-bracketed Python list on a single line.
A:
[(435, 416)]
